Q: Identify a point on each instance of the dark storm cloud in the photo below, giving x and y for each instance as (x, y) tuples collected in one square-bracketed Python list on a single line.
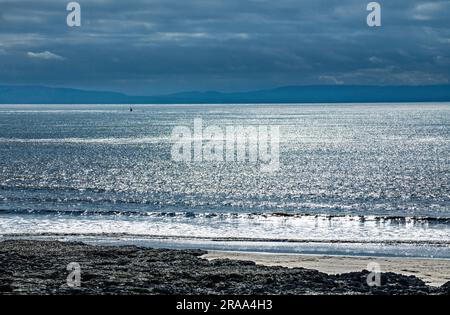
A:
[(172, 45)]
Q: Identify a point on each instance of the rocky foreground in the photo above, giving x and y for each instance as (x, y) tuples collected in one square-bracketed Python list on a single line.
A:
[(38, 267)]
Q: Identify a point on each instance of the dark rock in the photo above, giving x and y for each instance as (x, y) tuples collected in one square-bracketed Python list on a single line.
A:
[(445, 288)]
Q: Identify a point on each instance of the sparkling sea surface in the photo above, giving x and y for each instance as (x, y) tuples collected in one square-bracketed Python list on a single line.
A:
[(354, 179)]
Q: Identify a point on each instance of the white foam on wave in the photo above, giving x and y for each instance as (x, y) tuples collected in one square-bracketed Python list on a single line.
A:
[(301, 228)]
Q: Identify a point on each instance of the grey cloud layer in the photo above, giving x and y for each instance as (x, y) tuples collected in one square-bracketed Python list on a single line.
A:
[(171, 45)]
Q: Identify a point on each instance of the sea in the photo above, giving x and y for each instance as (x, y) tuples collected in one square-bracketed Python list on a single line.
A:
[(353, 179)]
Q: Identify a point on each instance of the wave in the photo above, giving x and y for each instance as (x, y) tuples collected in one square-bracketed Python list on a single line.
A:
[(231, 215)]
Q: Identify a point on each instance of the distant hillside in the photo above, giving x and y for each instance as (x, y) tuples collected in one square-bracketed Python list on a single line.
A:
[(288, 94), (322, 94)]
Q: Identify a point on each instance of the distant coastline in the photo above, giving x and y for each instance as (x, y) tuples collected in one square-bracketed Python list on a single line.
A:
[(281, 95)]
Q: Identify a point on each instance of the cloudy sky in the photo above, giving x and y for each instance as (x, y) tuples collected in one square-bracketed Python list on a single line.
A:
[(162, 46)]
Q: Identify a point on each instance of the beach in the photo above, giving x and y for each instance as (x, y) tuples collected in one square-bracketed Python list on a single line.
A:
[(41, 267)]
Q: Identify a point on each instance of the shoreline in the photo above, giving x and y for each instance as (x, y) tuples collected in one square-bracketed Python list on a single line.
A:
[(433, 250), (33, 267)]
